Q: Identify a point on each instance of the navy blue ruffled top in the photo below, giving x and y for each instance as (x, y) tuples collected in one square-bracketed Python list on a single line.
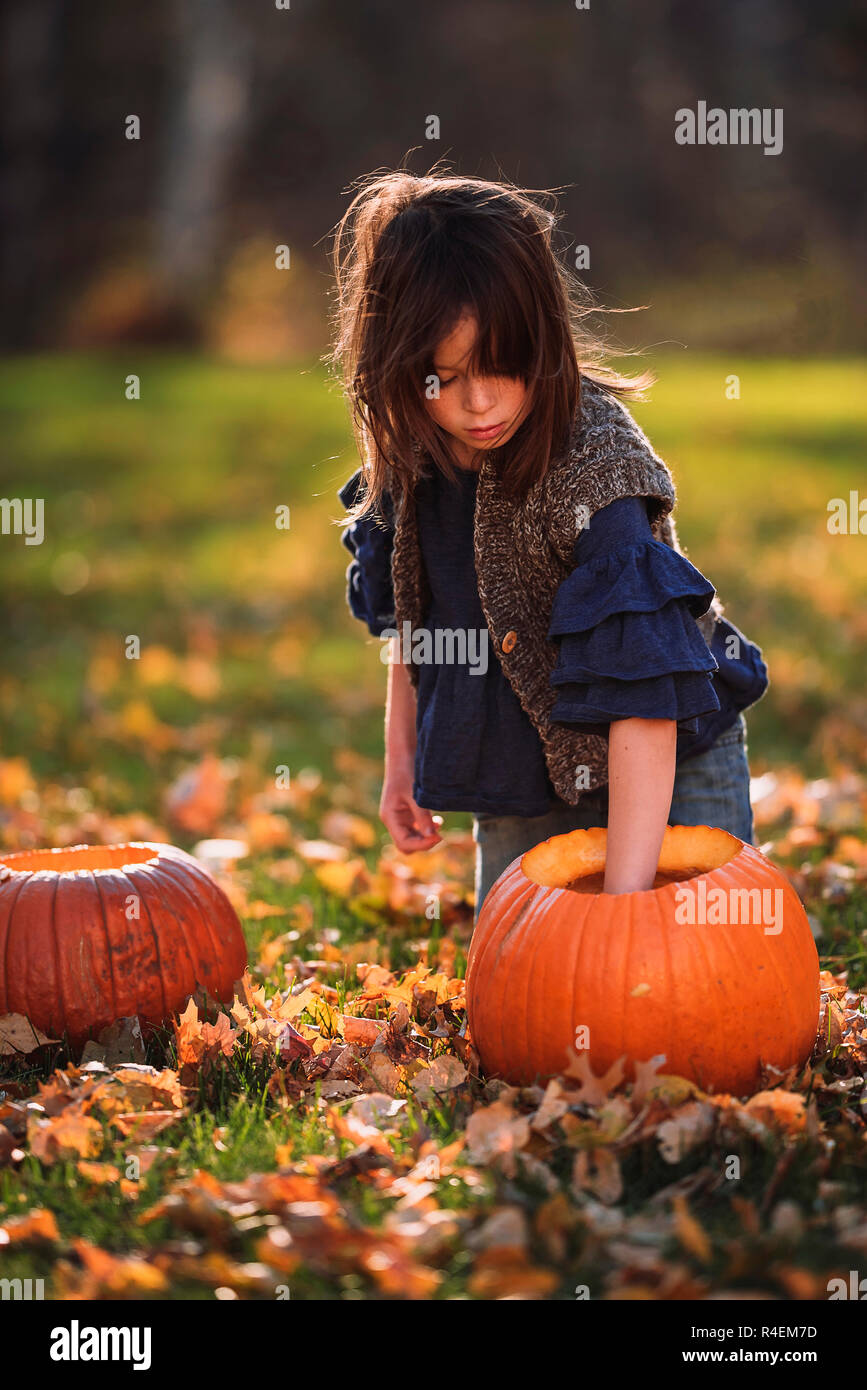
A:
[(624, 625)]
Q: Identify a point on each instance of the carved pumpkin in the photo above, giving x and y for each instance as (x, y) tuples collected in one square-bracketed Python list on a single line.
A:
[(98, 932), (684, 969)]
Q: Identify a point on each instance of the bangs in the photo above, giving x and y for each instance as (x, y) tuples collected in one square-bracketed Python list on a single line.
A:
[(504, 340), (468, 265)]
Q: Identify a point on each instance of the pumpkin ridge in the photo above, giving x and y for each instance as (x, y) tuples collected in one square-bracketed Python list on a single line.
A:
[(547, 967), (528, 973), (784, 990), (223, 927), (165, 1009), (701, 950), (196, 911), (58, 979), (109, 951), (173, 966), (7, 945), (625, 963), (584, 941), (513, 935), (494, 942)]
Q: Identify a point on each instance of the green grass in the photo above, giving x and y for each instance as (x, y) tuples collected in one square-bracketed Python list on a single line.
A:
[(171, 501)]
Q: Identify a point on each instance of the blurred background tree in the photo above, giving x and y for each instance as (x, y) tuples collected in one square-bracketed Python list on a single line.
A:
[(254, 120)]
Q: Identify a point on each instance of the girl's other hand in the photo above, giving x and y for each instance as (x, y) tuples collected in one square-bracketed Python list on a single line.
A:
[(410, 827)]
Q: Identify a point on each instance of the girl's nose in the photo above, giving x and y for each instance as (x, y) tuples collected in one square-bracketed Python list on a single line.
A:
[(479, 396)]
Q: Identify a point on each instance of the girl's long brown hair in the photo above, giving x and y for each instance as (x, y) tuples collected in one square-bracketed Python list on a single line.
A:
[(411, 254)]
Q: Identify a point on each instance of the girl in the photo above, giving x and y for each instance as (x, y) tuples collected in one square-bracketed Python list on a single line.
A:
[(555, 661)]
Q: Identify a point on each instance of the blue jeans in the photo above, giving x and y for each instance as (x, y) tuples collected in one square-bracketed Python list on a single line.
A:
[(713, 788)]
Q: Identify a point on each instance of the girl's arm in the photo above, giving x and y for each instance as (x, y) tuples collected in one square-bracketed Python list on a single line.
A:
[(410, 827), (641, 766)]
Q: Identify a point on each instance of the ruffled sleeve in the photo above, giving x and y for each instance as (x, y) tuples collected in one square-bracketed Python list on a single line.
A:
[(368, 577), (624, 622)]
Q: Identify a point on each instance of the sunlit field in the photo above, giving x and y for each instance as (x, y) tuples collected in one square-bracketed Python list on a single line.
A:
[(160, 525)]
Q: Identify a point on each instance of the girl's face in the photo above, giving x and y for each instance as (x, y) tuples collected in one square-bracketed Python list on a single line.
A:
[(468, 406)]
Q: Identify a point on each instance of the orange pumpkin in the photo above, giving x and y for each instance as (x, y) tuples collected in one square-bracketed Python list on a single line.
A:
[(715, 967), (98, 932)]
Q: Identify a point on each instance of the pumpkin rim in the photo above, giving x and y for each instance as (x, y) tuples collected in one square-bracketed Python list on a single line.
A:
[(143, 852), (586, 855)]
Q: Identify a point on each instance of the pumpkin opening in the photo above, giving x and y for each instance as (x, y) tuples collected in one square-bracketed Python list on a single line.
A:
[(77, 858), (576, 860)]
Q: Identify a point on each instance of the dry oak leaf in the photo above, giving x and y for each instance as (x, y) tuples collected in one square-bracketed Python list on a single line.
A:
[(196, 800), (196, 1205), (375, 977), (348, 829), (555, 1104), (37, 1225), (505, 1228), (395, 1272), (118, 1275), (69, 1135), (443, 1074), (144, 1125), (499, 1274), (343, 879), (362, 1135), (362, 1032), (783, 1110), (98, 1173), (594, 1090), (598, 1171), (382, 1075), (19, 1035), (494, 1132), (690, 1125), (144, 1086), (690, 1234)]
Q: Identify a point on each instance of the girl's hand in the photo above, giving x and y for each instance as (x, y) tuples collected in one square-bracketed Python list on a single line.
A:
[(410, 827)]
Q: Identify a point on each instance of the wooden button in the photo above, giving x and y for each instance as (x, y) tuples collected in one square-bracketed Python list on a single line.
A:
[(509, 641)]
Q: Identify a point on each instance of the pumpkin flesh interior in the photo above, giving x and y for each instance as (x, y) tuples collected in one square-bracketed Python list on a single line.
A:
[(576, 860), (77, 858)]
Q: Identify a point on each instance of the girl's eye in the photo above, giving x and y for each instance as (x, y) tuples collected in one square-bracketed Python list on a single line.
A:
[(447, 383)]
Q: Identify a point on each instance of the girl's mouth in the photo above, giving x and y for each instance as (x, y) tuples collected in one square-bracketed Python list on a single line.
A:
[(487, 433)]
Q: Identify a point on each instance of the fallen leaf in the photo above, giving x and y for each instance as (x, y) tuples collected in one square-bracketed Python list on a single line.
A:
[(19, 1035)]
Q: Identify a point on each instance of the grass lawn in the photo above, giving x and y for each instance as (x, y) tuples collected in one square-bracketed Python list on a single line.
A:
[(160, 525)]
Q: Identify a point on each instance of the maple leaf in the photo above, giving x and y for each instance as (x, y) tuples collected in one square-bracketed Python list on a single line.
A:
[(70, 1134)]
